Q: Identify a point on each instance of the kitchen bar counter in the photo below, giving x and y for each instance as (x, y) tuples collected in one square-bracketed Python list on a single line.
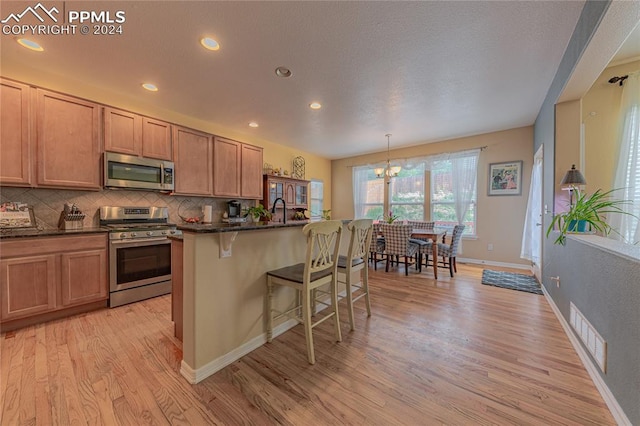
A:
[(23, 233), (235, 227)]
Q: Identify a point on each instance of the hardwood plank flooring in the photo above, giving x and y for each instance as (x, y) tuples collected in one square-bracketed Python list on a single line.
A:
[(450, 351)]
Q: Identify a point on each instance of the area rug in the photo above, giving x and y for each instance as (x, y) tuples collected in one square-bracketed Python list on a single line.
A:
[(511, 281)]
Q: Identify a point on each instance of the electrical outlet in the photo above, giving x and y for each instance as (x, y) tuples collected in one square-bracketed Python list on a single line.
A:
[(490, 247)]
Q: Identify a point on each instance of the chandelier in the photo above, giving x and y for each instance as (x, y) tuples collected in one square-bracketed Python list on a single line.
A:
[(389, 170)]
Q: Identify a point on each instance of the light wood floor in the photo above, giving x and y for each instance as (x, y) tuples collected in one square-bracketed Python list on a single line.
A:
[(447, 352)]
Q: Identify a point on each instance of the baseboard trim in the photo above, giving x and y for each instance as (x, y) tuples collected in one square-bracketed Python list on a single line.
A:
[(196, 376), (616, 411), (492, 263)]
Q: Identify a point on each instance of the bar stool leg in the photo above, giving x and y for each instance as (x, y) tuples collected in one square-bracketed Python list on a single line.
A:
[(306, 317)]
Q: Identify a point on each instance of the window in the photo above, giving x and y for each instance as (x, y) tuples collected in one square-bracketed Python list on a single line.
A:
[(368, 194), (450, 194), (627, 177), (317, 198), (406, 194)]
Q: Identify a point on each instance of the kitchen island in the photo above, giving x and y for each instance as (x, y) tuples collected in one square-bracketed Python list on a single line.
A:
[(224, 289)]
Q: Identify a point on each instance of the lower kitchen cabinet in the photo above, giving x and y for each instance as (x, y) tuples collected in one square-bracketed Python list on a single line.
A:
[(49, 274)]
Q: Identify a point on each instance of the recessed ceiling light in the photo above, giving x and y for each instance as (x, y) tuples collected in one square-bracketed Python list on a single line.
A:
[(150, 87), (315, 105), (253, 124), (30, 44), (283, 72), (209, 43)]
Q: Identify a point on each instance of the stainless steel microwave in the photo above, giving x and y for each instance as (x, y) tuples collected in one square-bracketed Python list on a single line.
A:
[(129, 171)]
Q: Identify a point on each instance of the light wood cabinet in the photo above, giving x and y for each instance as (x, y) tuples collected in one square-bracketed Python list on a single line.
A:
[(122, 132), (192, 154), (226, 167), (27, 285), (16, 134), (251, 176), (83, 277), (48, 274), (156, 139), (68, 142), (237, 169)]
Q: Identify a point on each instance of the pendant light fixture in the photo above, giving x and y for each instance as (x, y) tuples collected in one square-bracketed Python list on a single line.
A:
[(389, 170)]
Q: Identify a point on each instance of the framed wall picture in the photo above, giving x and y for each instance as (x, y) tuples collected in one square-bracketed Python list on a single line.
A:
[(505, 178)]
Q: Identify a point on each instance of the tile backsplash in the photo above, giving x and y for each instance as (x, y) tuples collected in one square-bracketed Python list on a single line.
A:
[(48, 203)]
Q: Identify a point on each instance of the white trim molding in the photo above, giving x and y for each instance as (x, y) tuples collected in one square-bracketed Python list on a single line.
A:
[(492, 263), (616, 411), (198, 375)]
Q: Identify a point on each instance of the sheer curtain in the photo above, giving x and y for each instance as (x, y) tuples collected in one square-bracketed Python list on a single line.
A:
[(360, 190), (531, 233), (627, 177), (464, 166)]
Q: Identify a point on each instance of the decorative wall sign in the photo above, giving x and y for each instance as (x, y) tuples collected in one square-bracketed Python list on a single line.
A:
[(298, 168), (505, 178), (16, 215)]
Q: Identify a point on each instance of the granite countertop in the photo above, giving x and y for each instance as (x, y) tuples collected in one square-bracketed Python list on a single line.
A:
[(235, 227), (24, 233)]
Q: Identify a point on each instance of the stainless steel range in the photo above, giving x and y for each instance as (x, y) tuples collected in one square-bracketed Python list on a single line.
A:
[(139, 252)]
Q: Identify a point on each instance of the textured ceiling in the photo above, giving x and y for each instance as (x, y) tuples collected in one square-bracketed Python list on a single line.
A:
[(423, 71)]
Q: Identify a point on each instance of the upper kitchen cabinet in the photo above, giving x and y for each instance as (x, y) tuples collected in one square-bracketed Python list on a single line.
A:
[(227, 155), (251, 185), (293, 191), (192, 151), (122, 132), (15, 134), (68, 142), (156, 139), (237, 169)]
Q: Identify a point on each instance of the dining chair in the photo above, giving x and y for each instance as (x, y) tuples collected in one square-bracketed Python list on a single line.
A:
[(356, 261), (397, 240), (376, 246), (417, 224), (319, 268), (447, 251)]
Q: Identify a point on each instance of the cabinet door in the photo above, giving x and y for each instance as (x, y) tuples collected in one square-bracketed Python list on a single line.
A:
[(301, 195), (83, 277), (192, 152), (156, 139), (27, 286), (122, 132), (15, 134), (68, 142), (251, 179), (226, 167), (290, 194), (274, 189)]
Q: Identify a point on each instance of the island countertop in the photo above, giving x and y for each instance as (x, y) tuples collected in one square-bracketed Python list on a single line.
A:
[(235, 227)]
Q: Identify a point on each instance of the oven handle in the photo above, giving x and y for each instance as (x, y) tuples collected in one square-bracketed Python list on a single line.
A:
[(139, 241)]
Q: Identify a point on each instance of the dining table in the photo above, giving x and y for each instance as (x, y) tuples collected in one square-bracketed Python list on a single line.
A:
[(434, 235)]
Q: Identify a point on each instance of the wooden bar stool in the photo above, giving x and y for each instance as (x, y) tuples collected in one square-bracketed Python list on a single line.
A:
[(356, 261), (319, 269)]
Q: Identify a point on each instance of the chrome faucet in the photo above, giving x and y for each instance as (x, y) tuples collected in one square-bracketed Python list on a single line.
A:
[(284, 214)]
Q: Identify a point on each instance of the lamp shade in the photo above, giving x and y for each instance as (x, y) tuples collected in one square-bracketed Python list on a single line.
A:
[(573, 177)]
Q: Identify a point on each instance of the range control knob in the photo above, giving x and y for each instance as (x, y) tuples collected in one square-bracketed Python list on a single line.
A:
[(123, 235), (149, 233), (163, 233), (133, 234), (172, 232)]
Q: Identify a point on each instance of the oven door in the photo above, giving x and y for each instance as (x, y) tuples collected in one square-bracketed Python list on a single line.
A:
[(134, 263)]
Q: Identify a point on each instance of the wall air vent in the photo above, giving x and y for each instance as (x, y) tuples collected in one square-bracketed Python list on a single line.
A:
[(594, 343)]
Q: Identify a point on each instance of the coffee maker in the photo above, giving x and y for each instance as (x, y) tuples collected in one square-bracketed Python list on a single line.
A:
[(234, 212)]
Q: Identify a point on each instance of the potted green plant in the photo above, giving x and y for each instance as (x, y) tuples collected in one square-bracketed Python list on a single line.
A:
[(587, 214), (258, 213)]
